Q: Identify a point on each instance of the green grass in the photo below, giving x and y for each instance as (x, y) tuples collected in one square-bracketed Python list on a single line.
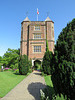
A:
[(48, 81), (8, 80), (49, 91)]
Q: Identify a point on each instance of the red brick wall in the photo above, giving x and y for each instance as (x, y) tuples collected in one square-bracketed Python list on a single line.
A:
[(28, 28)]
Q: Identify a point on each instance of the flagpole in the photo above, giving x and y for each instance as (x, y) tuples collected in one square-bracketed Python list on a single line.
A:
[(37, 14), (37, 17)]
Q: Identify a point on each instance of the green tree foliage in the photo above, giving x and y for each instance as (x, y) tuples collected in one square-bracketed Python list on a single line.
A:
[(0, 60), (47, 48), (46, 64), (10, 58), (24, 65), (63, 68), (37, 64)]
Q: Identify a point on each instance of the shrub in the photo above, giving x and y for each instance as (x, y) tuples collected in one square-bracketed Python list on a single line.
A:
[(65, 78), (57, 97), (0, 68), (42, 73), (46, 64), (6, 69), (37, 64), (24, 65), (16, 71), (43, 97), (63, 68), (30, 63), (30, 70), (14, 66)]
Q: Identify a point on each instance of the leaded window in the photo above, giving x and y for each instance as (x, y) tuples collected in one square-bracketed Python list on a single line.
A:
[(37, 48), (37, 28), (37, 36)]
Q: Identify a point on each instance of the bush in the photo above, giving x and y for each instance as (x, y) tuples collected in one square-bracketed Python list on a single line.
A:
[(14, 66), (42, 73), (46, 64), (63, 68), (6, 69), (65, 78), (37, 64), (0, 68), (57, 97), (24, 65), (43, 97), (30, 70), (16, 71)]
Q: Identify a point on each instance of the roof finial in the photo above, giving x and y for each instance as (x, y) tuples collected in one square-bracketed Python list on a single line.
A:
[(27, 14), (47, 14)]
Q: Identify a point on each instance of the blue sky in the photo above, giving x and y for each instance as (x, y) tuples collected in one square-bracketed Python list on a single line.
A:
[(13, 12)]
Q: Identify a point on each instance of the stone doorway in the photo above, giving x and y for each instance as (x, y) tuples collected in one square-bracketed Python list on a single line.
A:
[(37, 64)]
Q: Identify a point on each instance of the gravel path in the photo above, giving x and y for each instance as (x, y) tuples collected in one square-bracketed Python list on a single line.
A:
[(28, 89)]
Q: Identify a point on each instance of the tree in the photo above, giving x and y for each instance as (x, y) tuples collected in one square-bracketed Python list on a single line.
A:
[(47, 48), (46, 64), (63, 68), (24, 65), (10, 58), (0, 60)]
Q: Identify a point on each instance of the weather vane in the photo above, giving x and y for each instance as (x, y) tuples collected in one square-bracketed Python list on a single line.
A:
[(47, 14), (27, 13)]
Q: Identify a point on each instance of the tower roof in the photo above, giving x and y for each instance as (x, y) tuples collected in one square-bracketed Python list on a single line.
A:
[(26, 19), (48, 19)]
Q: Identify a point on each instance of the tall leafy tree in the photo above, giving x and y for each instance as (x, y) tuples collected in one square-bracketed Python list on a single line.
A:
[(0, 60), (10, 58)]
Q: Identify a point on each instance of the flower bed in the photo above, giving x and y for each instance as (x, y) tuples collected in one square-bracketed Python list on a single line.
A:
[(6, 69), (15, 69)]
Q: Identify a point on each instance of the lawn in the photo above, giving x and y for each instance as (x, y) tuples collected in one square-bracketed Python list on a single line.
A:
[(8, 80), (49, 91), (48, 81)]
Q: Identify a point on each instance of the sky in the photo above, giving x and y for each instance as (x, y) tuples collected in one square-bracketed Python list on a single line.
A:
[(13, 12)]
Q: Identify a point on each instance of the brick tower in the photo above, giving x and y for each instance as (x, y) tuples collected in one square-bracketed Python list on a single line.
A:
[(33, 38)]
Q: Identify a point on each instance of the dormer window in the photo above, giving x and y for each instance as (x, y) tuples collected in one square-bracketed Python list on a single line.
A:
[(37, 28)]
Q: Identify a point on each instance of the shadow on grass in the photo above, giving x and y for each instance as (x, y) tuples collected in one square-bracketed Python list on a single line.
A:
[(17, 73), (34, 89), (21, 74)]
